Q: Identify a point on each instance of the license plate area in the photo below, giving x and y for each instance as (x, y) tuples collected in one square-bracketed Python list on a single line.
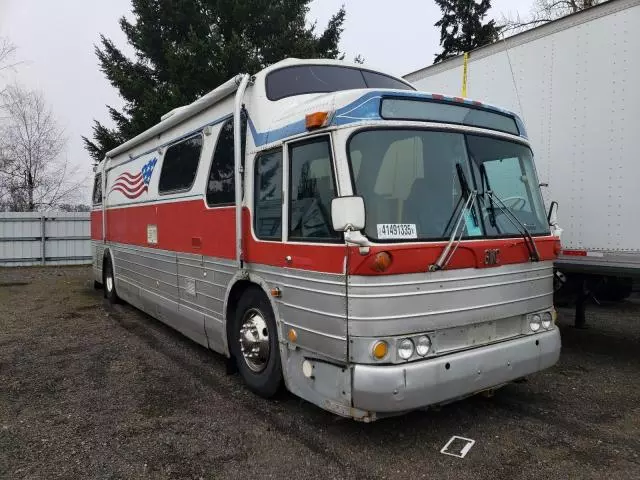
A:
[(481, 333)]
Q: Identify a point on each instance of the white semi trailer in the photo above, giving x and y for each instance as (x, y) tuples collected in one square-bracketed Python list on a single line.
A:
[(576, 84)]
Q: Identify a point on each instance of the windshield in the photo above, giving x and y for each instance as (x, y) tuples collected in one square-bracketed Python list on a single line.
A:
[(300, 80), (413, 184)]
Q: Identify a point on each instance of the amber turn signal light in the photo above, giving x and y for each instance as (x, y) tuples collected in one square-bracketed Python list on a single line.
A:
[(381, 262), (276, 292), (292, 335), (380, 349)]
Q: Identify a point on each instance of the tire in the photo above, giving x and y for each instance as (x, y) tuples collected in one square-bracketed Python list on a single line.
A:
[(109, 282), (263, 372), (616, 289)]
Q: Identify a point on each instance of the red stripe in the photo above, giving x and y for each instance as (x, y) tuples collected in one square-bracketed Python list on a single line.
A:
[(575, 253), (471, 254), (96, 224), (179, 223)]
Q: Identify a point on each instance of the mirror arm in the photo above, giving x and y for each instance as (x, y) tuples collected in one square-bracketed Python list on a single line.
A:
[(355, 237), (553, 204)]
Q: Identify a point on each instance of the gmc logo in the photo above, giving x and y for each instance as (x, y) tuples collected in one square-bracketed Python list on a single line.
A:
[(491, 256)]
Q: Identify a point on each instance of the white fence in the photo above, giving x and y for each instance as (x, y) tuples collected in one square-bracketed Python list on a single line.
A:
[(47, 238)]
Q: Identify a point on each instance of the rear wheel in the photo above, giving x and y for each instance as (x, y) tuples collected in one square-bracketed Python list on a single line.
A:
[(254, 343), (109, 282)]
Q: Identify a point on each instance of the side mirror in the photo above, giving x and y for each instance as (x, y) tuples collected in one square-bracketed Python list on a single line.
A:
[(552, 216), (347, 213)]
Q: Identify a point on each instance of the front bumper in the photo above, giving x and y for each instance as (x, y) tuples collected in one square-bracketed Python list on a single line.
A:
[(397, 388)]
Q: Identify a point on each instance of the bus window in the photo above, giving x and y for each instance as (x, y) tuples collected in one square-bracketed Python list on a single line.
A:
[(303, 79), (268, 195), (97, 189), (221, 184), (180, 165), (312, 189)]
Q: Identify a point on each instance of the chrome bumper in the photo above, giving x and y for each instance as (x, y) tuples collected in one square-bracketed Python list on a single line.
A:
[(398, 388)]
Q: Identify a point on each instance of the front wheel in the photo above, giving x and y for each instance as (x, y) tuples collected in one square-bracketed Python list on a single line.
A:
[(254, 343)]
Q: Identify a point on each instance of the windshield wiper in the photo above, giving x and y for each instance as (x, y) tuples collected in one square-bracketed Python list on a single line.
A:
[(486, 187), (469, 197), (466, 191), (534, 256)]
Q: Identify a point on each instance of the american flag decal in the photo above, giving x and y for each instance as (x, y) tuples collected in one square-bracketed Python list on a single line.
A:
[(132, 186)]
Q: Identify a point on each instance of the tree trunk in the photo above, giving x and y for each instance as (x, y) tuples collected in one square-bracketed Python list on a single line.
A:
[(30, 188)]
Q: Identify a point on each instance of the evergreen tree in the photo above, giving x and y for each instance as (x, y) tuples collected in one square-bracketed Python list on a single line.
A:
[(461, 27), (185, 48)]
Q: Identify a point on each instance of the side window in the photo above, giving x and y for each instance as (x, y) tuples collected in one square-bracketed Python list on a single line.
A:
[(180, 165), (221, 184), (268, 195), (312, 189), (97, 189)]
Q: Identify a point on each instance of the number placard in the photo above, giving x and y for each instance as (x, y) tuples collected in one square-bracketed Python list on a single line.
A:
[(395, 231)]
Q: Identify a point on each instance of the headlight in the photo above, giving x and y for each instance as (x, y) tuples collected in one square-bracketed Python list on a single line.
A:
[(405, 349), (546, 320), (423, 345), (534, 323)]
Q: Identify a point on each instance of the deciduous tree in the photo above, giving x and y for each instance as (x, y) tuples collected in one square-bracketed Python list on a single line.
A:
[(544, 11), (33, 174)]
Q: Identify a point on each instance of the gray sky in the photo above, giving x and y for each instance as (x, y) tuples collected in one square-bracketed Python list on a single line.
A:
[(56, 38)]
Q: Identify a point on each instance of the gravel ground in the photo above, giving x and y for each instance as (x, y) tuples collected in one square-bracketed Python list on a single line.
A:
[(93, 391)]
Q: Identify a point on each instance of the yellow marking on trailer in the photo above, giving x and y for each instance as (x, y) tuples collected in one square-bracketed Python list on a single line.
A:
[(465, 63)]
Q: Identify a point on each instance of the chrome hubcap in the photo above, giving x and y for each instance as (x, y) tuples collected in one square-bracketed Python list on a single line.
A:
[(254, 340)]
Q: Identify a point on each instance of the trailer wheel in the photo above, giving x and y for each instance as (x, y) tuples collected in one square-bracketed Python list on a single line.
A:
[(254, 343), (109, 282)]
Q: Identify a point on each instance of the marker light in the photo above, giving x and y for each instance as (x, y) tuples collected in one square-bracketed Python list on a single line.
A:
[(292, 335), (316, 120), (276, 292), (380, 349), (381, 262)]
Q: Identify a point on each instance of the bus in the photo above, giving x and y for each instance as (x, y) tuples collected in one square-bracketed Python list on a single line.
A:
[(372, 248)]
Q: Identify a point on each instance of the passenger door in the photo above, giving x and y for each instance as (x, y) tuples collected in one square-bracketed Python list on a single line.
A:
[(309, 254)]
